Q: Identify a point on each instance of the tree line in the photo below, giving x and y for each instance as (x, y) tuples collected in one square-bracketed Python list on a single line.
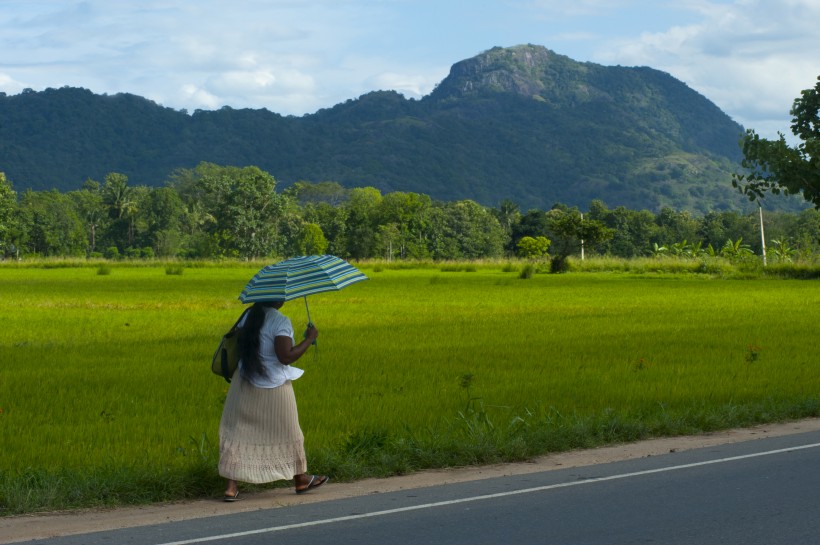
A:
[(213, 212)]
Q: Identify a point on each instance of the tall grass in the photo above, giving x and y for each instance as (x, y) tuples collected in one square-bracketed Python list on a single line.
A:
[(106, 378)]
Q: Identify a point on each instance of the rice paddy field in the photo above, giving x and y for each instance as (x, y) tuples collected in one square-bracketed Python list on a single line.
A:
[(106, 394)]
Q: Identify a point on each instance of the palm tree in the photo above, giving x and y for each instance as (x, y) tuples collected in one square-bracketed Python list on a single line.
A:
[(117, 194)]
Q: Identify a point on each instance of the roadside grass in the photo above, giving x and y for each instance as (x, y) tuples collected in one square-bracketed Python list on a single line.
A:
[(106, 397)]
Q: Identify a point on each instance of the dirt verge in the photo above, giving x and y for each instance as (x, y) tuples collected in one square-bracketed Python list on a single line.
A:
[(41, 526)]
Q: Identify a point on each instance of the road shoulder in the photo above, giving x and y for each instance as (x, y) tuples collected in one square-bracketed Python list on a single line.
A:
[(41, 526)]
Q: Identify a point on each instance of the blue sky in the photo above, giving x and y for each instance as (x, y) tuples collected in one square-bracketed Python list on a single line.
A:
[(750, 57)]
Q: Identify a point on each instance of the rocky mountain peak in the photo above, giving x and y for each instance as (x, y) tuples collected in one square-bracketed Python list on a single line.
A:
[(528, 70)]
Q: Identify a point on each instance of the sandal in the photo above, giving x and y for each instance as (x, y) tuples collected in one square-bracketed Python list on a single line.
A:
[(235, 497), (315, 482)]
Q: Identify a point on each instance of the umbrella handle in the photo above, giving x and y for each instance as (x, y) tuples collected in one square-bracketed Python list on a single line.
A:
[(310, 322)]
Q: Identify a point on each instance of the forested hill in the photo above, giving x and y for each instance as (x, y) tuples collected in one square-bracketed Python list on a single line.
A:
[(520, 123)]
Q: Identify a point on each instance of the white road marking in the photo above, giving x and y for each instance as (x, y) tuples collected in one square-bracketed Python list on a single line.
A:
[(486, 496)]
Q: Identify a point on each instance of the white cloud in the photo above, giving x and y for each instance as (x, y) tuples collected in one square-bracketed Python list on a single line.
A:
[(186, 54), (197, 97), (9, 84), (751, 57), (412, 85)]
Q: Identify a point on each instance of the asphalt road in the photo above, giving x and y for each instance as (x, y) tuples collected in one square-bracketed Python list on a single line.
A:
[(762, 492)]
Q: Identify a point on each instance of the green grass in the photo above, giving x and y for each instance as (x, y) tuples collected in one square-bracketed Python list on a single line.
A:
[(106, 396)]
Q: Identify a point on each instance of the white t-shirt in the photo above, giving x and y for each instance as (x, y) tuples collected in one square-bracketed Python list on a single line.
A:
[(275, 325)]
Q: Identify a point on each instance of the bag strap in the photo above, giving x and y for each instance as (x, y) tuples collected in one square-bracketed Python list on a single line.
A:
[(241, 316)]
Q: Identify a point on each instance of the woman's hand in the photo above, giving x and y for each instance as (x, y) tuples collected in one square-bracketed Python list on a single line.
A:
[(311, 333)]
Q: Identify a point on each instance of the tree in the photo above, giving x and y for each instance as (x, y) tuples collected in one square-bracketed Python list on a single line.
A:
[(533, 248), (88, 202), (8, 204), (290, 228), (633, 230), (773, 165), (717, 227), (118, 197), (532, 224), (508, 214), (117, 194), (388, 240), (362, 209), (312, 241), (164, 214), (806, 232), (52, 225), (135, 217), (333, 222), (410, 212), (674, 226), (568, 230), (465, 229), (245, 206)]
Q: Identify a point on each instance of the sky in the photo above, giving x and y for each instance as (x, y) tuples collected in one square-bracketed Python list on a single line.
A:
[(293, 57)]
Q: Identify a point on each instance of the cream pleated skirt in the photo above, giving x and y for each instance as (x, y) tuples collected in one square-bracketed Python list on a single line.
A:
[(260, 440)]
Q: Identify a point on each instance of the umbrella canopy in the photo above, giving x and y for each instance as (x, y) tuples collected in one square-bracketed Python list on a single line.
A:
[(299, 277)]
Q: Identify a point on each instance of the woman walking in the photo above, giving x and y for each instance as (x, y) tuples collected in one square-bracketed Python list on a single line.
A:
[(260, 440)]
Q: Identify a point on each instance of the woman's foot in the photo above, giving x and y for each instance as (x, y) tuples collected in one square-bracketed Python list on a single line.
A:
[(305, 482), (232, 491)]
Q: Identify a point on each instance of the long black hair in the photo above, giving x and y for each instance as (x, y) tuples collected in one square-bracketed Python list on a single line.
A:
[(248, 340)]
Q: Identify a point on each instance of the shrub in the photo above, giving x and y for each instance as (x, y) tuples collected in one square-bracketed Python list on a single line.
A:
[(112, 252), (559, 264), (533, 248)]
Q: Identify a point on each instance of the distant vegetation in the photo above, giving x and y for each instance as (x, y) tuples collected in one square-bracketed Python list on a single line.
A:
[(217, 212), (519, 123)]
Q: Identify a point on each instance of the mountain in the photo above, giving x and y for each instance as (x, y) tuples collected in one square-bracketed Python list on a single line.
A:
[(520, 123)]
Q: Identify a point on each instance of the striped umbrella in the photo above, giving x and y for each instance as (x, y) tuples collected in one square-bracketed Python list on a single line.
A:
[(299, 277)]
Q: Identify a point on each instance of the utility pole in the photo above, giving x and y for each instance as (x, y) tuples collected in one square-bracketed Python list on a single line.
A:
[(582, 240), (762, 237)]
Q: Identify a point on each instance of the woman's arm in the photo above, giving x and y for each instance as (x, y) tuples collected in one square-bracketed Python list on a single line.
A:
[(287, 352)]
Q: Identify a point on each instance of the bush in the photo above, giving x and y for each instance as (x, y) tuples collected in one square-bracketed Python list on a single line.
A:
[(559, 264), (111, 252)]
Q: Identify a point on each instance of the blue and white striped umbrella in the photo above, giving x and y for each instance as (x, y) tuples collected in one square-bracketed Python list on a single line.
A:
[(299, 277)]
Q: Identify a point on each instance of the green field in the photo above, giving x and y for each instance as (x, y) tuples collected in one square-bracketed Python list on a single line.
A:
[(106, 394)]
